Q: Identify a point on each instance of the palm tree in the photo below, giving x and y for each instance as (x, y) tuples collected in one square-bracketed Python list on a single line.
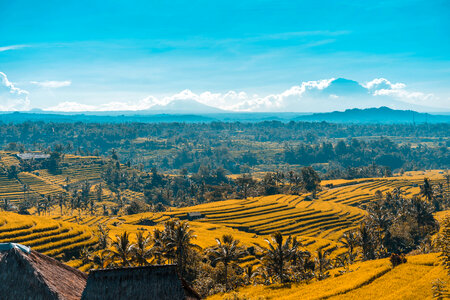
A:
[(102, 259), (177, 238), (365, 240), (103, 236), (278, 254), (426, 189), (349, 240), (157, 249), (142, 252), (322, 263), (447, 179), (122, 249), (226, 251)]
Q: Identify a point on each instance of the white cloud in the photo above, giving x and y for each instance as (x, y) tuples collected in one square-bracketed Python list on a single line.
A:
[(383, 87), (12, 98), (382, 83), (52, 84), (12, 47), (309, 96)]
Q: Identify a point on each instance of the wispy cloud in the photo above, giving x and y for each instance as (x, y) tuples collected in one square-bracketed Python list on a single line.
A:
[(12, 47), (52, 84)]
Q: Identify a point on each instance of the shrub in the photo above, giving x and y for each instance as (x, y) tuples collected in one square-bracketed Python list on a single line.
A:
[(397, 259)]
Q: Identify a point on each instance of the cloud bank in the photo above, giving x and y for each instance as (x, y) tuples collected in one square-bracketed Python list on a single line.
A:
[(310, 96), (11, 97)]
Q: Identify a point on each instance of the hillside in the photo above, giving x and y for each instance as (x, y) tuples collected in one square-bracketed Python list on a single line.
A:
[(66, 231), (366, 280)]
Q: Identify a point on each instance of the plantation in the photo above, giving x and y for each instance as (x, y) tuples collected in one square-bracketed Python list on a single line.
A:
[(85, 195), (366, 280), (47, 236)]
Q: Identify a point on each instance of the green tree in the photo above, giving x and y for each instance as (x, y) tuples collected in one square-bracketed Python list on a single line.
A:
[(227, 251), (122, 250), (142, 251), (310, 180), (426, 190), (177, 237), (277, 255)]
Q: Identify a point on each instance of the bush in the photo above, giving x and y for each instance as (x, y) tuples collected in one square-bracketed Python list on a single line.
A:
[(136, 207), (397, 259)]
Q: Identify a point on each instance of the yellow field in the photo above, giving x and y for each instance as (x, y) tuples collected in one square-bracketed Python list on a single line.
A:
[(48, 236), (318, 223), (367, 280)]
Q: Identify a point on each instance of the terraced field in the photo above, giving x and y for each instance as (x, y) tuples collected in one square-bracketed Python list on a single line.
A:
[(53, 238), (367, 280), (74, 170), (11, 189)]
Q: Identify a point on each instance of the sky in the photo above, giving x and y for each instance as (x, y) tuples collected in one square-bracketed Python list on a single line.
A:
[(236, 55)]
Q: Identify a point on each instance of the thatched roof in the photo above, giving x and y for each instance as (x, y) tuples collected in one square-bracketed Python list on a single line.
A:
[(36, 276), (138, 283)]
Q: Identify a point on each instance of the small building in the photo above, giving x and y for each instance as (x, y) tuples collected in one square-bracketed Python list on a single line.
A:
[(32, 155), (138, 283), (194, 215), (26, 274)]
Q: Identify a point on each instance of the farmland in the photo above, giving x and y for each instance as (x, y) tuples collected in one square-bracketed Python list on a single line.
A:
[(317, 221), (366, 280)]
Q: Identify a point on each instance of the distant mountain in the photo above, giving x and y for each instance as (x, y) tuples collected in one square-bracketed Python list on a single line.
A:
[(375, 115), (382, 115), (185, 106)]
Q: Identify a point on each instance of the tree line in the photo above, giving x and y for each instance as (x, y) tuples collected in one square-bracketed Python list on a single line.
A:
[(237, 147)]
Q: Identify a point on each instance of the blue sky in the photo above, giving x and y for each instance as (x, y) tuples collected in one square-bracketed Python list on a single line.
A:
[(242, 55)]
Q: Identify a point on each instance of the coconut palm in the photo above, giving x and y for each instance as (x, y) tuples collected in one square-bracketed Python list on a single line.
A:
[(178, 242), (142, 251), (102, 259), (322, 264), (157, 249), (426, 189), (366, 241), (278, 254), (226, 251), (350, 241), (122, 249)]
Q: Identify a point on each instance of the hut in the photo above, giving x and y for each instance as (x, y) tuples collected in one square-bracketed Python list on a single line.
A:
[(195, 215), (26, 274), (32, 155), (138, 283)]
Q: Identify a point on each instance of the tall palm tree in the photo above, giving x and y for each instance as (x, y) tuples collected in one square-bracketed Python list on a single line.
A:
[(366, 241), (350, 241), (102, 259), (226, 251), (426, 189), (122, 249), (322, 263), (278, 254), (178, 241), (157, 249), (142, 251)]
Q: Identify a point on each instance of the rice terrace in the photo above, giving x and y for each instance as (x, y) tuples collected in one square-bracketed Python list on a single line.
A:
[(224, 150)]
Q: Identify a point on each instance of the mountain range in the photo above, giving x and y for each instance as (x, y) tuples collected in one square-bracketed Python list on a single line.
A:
[(381, 115)]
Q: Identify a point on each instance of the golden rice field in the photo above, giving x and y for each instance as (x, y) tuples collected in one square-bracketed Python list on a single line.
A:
[(374, 279), (318, 223), (53, 238)]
